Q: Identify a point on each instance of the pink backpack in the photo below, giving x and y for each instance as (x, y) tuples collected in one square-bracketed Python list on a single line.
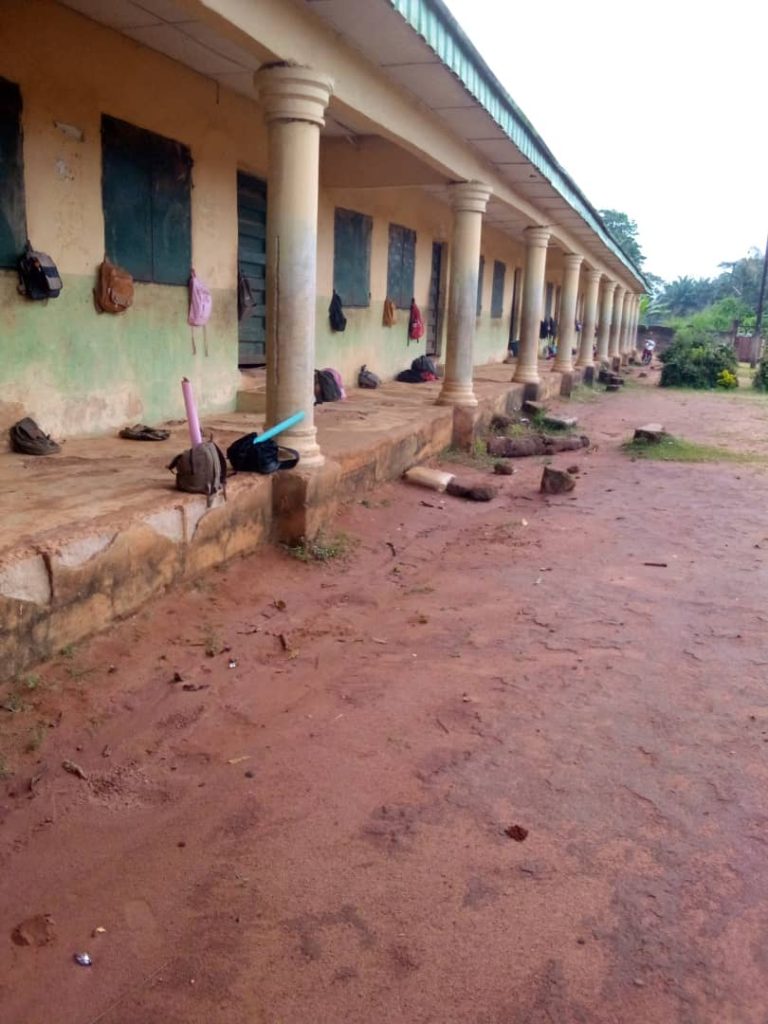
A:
[(337, 377), (200, 302)]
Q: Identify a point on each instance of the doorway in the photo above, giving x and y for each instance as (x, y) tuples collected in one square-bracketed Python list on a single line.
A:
[(434, 308), (252, 265)]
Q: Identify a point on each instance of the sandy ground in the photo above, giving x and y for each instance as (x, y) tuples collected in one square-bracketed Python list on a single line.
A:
[(318, 834)]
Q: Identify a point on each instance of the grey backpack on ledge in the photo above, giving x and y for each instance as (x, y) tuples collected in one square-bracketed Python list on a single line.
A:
[(201, 470)]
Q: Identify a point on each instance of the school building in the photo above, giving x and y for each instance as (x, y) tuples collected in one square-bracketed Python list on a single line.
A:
[(361, 146)]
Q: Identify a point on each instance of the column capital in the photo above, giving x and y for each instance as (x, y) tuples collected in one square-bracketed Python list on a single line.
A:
[(620, 292), (609, 287), (469, 196), (573, 260), (292, 93), (594, 275), (537, 237)]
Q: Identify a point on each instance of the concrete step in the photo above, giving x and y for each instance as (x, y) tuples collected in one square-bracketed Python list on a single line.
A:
[(252, 400)]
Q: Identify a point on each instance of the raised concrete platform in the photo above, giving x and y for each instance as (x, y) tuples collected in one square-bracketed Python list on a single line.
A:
[(90, 535)]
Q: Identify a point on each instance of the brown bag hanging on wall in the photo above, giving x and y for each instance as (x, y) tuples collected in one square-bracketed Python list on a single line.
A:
[(389, 316), (114, 288)]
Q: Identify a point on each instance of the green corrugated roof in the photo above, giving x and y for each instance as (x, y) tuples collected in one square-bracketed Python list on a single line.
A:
[(432, 20)]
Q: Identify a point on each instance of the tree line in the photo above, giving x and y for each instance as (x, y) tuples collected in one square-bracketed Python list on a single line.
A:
[(714, 305)]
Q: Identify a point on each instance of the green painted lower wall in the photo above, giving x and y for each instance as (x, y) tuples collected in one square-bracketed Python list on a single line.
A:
[(491, 340), (386, 350), (80, 372)]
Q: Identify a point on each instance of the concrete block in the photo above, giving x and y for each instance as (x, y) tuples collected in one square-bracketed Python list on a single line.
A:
[(556, 481), (304, 501), (465, 422), (651, 433)]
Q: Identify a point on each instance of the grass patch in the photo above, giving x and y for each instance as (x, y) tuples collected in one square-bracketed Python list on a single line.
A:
[(677, 449), (584, 395), (322, 549), (477, 456)]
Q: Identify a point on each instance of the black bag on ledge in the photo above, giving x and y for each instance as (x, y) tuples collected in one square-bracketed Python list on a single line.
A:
[(266, 457)]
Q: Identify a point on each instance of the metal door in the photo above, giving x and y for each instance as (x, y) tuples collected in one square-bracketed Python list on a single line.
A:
[(252, 264), (434, 307)]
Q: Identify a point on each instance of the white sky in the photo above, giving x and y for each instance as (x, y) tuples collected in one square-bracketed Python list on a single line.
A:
[(656, 109)]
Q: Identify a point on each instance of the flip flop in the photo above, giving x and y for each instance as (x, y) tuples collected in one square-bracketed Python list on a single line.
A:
[(141, 432)]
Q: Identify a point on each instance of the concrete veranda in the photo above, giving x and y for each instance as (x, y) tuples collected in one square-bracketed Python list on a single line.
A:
[(91, 534), (319, 832)]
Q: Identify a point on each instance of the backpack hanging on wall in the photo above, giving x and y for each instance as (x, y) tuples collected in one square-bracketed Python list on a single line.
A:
[(245, 299), (38, 275), (415, 323), (336, 313), (200, 302), (200, 306), (114, 288)]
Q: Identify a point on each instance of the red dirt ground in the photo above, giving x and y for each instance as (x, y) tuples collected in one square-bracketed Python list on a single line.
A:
[(318, 835)]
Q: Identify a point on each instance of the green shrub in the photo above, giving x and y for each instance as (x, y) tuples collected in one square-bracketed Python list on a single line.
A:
[(727, 380), (696, 360), (760, 380)]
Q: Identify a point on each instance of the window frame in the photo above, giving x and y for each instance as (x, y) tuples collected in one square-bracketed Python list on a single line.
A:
[(497, 289), (480, 281), (12, 194), (346, 219), (146, 183), (401, 271)]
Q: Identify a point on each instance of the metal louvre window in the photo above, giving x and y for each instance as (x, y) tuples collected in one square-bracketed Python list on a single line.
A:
[(352, 257), (497, 293), (12, 213), (401, 267), (146, 183)]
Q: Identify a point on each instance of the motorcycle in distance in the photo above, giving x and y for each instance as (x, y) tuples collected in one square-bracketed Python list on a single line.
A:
[(648, 350)]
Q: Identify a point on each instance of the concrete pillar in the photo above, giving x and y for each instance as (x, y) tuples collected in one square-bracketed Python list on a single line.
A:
[(606, 320), (566, 332), (527, 369), (630, 316), (635, 322), (618, 312), (294, 101), (626, 316), (469, 200), (519, 310), (587, 340), (633, 325)]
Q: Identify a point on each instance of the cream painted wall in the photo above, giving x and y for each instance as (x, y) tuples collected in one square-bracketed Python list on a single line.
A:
[(386, 350), (79, 371), (84, 373), (491, 333)]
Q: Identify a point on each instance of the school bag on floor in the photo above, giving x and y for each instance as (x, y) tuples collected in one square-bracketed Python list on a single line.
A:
[(367, 378), (266, 457), (201, 470), (28, 439)]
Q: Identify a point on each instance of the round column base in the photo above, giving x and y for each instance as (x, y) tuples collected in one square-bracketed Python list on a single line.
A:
[(305, 443), (456, 393), (526, 375)]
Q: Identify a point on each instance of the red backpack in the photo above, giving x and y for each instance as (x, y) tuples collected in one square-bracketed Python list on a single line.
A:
[(415, 323)]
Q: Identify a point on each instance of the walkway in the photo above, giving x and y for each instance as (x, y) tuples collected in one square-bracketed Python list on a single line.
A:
[(319, 832)]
